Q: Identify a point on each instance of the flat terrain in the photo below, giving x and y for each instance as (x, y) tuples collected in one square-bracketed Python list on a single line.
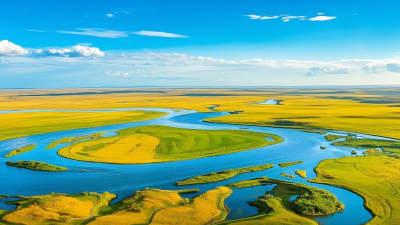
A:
[(16, 125), (34, 165), (150, 144), (352, 110), (375, 178)]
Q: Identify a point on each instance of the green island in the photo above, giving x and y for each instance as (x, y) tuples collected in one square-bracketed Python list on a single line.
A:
[(156, 143), (271, 211), (222, 175), (148, 206), (288, 175), (35, 165), (74, 139), (301, 173), (310, 201), (333, 137), (322, 147), (20, 151), (286, 164), (385, 145), (374, 177)]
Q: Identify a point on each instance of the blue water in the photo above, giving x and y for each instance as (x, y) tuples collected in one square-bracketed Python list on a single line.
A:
[(124, 180)]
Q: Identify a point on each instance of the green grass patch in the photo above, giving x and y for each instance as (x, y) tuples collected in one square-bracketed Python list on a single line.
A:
[(332, 137), (20, 151), (74, 139), (35, 165), (322, 147), (310, 200), (222, 175), (375, 178), (286, 164), (288, 175)]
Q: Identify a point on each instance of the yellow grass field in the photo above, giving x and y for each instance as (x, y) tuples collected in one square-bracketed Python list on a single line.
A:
[(206, 208), (353, 110), (375, 178), (155, 143), (16, 125)]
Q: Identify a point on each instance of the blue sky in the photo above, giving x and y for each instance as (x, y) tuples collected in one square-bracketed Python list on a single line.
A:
[(198, 43)]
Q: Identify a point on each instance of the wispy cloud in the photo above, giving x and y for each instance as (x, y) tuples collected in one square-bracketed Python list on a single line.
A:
[(287, 18), (322, 18), (269, 17), (320, 14), (96, 32), (110, 15), (254, 17), (41, 31), (159, 34)]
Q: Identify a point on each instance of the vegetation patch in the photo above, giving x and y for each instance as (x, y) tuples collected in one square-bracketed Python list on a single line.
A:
[(20, 151), (222, 175), (149, 144), (375, 178), (387, 146), (322, 147), (310, 200), (301, 173), (57, 208), (46, 122), (35, 165), (288, 175), (74, 139), (286, 164), (332, 137)]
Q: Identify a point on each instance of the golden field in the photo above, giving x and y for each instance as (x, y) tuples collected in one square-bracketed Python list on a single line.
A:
[(57, 208), (16, 125), (156, 143), (353, 110)]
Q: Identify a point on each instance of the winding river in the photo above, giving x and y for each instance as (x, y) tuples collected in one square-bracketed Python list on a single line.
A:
[(124, 180)]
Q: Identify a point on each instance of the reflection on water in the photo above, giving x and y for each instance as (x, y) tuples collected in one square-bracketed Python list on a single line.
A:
[(124, 180)]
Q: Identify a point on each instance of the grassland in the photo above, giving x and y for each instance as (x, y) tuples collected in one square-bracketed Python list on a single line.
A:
[(20, 151), (153, 206), (74, 139), (286, 164), (222, 175), (271, 211), (34, 165), (332, 137), (310, 200), (301, 173), (16, 125), (57, 208), (385, 145), (375, 178), (288, 175), (150, 144)]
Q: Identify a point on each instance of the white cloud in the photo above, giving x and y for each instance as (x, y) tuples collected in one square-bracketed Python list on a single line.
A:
[(269, 17), (322, 18), (371, 69), (333, 70), (159, 34), (74, 51), (96, 32), (8, 48), (320, 14), (254, 17), (287, 18), (393, 67), (40, 31), (110, 15)]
